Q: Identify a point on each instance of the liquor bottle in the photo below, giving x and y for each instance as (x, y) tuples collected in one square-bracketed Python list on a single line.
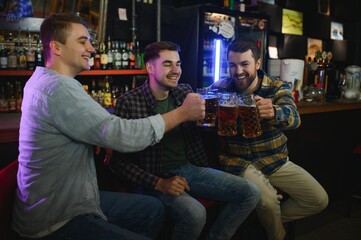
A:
[(96, 57), (134, 83), (131, 56), (114, 96), (18, 96), (138, 57), (110, 54), (4, 106), (39, 58), (21, 57), (30, 55), (117, 56), (3, 57), (86, 88), (12, 59), (11, 98), (107, 94), (103, 56), (125, 56)]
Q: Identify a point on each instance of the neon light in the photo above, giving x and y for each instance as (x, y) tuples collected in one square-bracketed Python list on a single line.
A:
[(217, 60)]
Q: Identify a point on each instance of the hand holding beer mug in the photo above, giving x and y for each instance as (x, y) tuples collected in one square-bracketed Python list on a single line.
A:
[(248, 114), (211, 107), (227, 114)]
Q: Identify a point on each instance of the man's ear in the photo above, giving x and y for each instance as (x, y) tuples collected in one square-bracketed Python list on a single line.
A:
[(55, 47), (149, 67), (258, 64)]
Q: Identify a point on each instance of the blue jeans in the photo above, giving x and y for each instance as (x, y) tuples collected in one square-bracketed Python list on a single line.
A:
[(130, 217), (190, 215)]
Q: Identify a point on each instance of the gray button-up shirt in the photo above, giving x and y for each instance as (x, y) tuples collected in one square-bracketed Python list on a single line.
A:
[(59, 125)]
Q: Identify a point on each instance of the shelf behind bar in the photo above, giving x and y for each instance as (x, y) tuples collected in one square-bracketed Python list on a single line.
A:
[(84, 73)]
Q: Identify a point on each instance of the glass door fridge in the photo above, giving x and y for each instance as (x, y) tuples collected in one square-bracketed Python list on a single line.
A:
[(204, 33)]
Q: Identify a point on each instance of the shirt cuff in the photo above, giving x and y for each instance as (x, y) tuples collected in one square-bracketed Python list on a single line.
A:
[(158, 125)]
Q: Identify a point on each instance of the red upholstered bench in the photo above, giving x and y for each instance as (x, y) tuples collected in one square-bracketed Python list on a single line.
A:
[(8, 185)]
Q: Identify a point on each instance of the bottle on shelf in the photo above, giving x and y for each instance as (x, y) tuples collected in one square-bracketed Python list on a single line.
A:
[(12, 59), (96, 57), (21, 57), (103, 56), (39, 57), (4, 106), (110, 54), (138, 57), (107, 101), (18, 96), (11, 98), (30, 54), (131, 55), (117, 56), (3, 57), (114, 96), (125, 55)]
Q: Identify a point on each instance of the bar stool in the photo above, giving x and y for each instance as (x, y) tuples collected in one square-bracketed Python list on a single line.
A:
[(356, 191)]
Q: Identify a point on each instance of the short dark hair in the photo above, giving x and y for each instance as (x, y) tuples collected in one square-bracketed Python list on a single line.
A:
[(56, 27), (242, 45), (152, 50)]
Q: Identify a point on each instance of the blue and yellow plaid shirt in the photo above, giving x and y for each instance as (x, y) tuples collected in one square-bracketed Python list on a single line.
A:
[(267, 152)]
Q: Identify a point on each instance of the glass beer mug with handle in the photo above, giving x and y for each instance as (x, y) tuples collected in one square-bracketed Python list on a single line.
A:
[(211, 99), (248, 114), (227, 114)]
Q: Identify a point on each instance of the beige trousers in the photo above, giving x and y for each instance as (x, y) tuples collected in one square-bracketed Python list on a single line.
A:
[(306, 197)]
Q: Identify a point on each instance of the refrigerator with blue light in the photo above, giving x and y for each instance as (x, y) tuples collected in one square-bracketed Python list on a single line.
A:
[(204, 33)]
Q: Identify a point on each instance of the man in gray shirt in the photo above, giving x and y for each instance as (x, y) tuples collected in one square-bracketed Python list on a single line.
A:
[(58, 194)]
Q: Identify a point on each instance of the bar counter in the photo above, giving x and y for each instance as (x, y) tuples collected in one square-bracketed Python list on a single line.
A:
[(9, 122)]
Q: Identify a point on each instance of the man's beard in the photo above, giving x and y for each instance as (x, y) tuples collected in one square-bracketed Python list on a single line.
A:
[(243, 84)]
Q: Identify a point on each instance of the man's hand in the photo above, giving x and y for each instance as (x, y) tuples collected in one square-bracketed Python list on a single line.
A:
[(193, 107), (174, 186), (265, 107), (108, 156)]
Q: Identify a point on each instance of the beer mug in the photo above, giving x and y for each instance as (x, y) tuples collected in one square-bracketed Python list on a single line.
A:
[(211, 105), (227, 114), (248, 114)]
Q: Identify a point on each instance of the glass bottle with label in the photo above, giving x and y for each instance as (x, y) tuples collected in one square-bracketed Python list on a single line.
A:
[(131, 56), (3, 57), (110, 54), (107, 94), (39, 58), (12, 59), (21, 57), (11, 98), (30, 55), (138, 57), (125, 56), (4, 107), (18, 96), (96, 57), (117, 56), (103, 56)]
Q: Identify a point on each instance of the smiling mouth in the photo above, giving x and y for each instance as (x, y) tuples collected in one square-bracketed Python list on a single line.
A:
[(240, 77), (173, 77), (86, 57)]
